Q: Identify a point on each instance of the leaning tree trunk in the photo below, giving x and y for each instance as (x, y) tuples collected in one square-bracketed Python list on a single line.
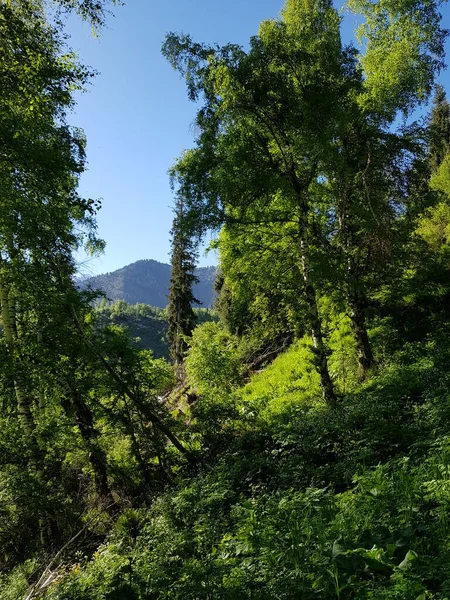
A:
[(125, 389), (89, 433), (320, 350)]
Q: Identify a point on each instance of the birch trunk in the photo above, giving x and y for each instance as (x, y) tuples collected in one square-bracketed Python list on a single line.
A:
[(320, 350), (355, 297), (20, 387)]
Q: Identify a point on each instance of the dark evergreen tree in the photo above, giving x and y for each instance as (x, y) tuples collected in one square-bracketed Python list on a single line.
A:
[(181, 316), (439, 129)]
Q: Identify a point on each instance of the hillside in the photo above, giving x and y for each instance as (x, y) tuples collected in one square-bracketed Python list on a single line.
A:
[(147, 282), (146, 325), (293, 499)]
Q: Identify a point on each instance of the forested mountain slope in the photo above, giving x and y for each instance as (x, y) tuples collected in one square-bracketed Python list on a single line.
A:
[(146, 325), (147, 282)]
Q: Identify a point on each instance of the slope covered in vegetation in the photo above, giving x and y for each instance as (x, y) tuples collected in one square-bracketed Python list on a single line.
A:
[(294, 499)]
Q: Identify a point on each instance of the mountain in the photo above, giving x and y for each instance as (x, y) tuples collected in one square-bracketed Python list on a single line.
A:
[(147, 282)]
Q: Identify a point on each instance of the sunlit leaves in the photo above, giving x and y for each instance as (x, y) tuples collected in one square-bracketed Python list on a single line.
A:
[(403, 49)]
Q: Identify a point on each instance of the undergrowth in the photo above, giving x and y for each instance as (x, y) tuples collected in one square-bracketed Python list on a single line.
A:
[(293, 499)]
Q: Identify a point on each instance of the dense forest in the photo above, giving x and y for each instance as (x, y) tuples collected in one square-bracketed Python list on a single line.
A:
[(294, 444)]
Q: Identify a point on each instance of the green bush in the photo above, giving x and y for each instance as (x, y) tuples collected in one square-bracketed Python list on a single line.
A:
[(213, 365)]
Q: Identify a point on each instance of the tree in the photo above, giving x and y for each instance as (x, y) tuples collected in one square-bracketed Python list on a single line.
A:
[(433, 225), (363, 176), (267, 121), (439, 129), (46, 333), (260, 281), (403, 49), (41, 160), (181, 317)]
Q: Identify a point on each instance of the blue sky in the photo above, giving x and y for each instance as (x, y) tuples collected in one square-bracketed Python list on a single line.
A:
[(138, 119)]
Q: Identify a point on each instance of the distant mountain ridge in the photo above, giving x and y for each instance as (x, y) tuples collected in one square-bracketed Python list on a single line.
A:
[(148, 281)]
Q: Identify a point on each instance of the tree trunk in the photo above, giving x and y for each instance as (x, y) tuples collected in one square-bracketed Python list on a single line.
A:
[(26, 419), (89, 434), (85, 422), (356, 304), (354, 296), (124, 388), (358, 320), (320, 350), (9, 332)]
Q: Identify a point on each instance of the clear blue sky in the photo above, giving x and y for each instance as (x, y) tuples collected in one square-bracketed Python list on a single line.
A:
[(138, 119)]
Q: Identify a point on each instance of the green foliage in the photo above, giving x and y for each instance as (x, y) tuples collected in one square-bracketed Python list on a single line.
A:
[(434, 227), (348, 502), (118, 481), (147, 325), (288, 381), (213, 364), (344, 357), (404, 48), (93, 11), (440, 180), (260, 285)]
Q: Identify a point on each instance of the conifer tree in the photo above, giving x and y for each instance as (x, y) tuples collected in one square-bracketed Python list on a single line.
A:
[(181, 297), (439, 129)]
